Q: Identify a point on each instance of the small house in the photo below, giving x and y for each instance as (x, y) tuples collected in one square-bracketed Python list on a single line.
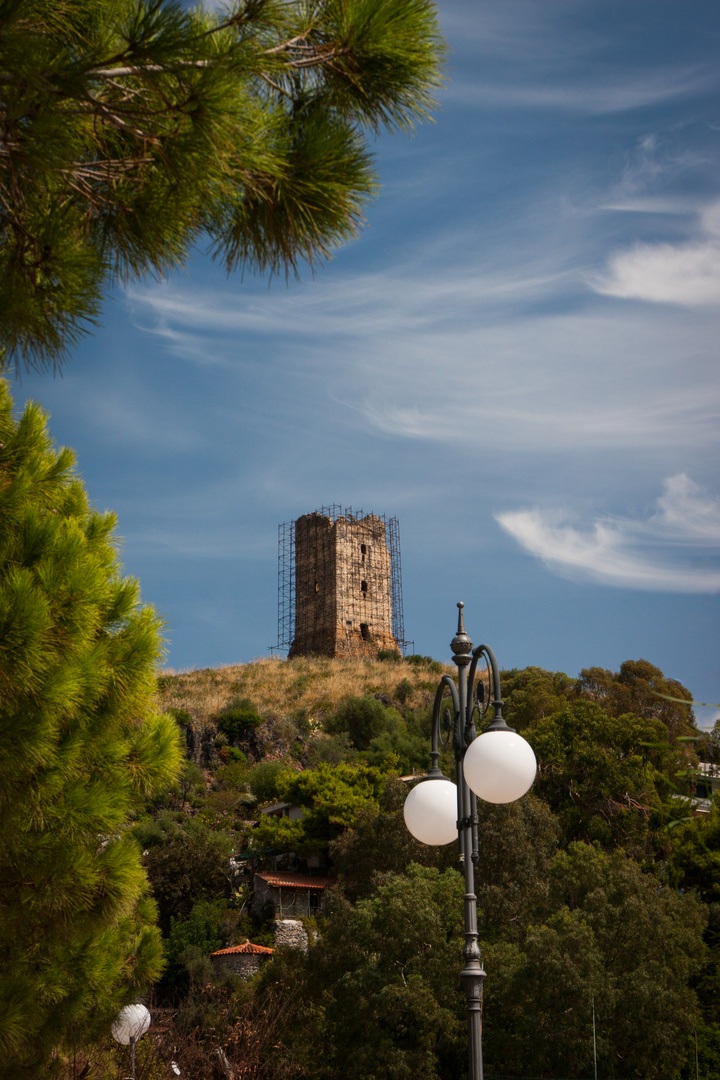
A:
[(282, 810), (243, 960), (292, 895)]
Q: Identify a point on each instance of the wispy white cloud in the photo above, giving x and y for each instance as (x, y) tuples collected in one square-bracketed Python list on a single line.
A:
[(525, 55), (650, 555), (581, 92), (462, 357), (686, 513), (651, 204), (402, 298), (687, 274), (655, 167)]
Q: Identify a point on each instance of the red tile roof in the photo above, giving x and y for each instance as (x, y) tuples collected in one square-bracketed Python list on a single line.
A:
[(294, 881), (248, 947)]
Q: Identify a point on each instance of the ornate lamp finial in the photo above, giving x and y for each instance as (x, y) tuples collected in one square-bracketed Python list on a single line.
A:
[(461, 644)]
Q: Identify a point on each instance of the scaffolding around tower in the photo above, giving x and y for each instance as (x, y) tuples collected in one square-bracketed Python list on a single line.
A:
[(340, 584)]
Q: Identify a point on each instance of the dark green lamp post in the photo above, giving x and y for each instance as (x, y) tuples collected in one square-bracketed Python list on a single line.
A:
[(497, 766)]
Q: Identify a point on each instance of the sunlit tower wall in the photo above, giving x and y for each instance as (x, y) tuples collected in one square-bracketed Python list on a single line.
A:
[(339, 584)]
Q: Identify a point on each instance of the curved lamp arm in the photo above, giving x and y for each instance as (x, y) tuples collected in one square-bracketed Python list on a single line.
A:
[(446, 683), (498, 723)]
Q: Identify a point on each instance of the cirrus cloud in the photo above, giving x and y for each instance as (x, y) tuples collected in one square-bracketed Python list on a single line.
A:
[(650, 555)]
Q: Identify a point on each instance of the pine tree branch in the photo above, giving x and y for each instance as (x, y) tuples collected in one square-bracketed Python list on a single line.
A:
[(120, 155), (276, 86)]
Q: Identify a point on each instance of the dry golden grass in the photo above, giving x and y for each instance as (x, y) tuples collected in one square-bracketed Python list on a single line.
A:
[(281, 688)]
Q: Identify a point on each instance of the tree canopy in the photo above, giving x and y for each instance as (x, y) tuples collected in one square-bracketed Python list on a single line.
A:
[(605, 932), (185, 863), (380, 994), (605, 776), (642, 689), (132, 129), (598, 884), (387, 976), (80, 747), (331, 797)]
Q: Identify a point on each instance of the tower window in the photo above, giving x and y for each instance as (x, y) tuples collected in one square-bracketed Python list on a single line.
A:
[(365, 631), (363, 586)]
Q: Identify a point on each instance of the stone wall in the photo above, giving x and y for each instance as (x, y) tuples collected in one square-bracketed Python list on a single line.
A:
[(363, 606), (243, 964), (292, 933), (343, 604), (315, 586)]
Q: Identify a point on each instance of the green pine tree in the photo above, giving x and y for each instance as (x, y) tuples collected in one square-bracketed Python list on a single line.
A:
[(80, 745), (131, 129)]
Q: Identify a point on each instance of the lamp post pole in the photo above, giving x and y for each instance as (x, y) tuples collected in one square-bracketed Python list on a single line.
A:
[(473, 972), (437, 812)]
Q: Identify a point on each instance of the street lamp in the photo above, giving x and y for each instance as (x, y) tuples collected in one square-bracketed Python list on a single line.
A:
[(131, 1024), (498, 766)]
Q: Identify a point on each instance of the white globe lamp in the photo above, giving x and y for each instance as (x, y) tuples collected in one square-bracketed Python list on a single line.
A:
[(131, 1024), (431, 812), (500, 766)]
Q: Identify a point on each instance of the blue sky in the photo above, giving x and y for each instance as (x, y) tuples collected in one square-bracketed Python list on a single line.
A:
[(517, 358)]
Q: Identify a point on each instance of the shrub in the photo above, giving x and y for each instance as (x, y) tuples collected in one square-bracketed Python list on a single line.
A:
[(424, 661), (237, 719), (263, 778), (404, 690), (363, 718), (181, 716), (330, 748), (201, 932)]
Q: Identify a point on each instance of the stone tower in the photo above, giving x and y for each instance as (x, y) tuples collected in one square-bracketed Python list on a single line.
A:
[(343, 586)]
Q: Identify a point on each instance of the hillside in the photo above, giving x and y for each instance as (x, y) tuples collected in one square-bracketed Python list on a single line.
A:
[(600, 885), (285, 708), (306, 687)]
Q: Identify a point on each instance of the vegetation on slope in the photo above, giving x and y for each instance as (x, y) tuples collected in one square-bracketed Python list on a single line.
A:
[(600, 886)]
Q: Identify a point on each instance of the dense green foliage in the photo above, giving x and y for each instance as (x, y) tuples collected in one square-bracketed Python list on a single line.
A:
[(696, 855), (80, 749), (238, 719), (532, 694), (386, 972), (606, 777), (388, 965), (331, 798), (605, 931), (131, 129), (381, 731), (641, 689), (592, 888), (186, 861)]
